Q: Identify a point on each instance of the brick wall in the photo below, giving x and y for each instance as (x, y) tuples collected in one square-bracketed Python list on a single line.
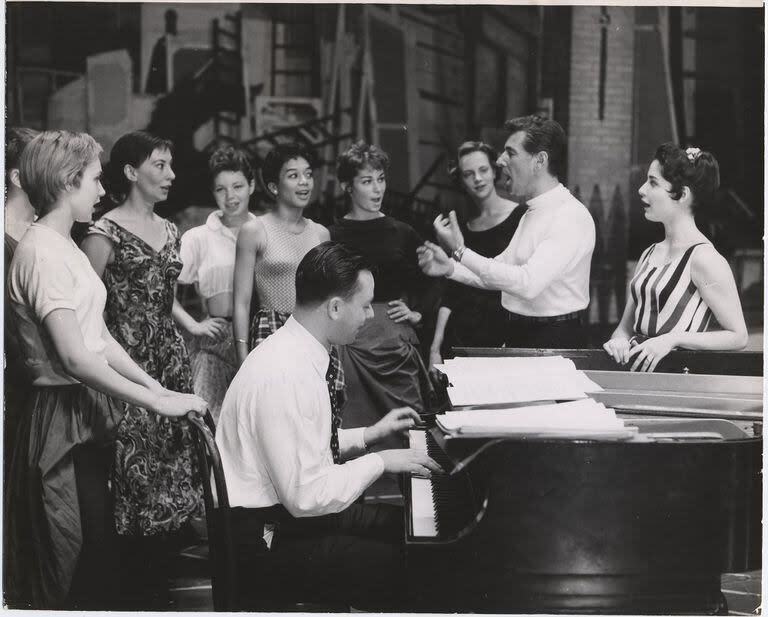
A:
[(599, 151)]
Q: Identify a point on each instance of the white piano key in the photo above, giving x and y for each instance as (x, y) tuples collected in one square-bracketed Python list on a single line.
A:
[(422, 509), (422, 506)]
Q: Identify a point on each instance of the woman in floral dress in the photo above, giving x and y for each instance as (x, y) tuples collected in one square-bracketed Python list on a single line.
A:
[(136, 252)]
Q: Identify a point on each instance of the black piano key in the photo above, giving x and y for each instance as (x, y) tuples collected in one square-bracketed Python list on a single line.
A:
[(451, 495)]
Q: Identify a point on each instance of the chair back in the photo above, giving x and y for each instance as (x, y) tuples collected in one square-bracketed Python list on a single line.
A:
[(217, 514)]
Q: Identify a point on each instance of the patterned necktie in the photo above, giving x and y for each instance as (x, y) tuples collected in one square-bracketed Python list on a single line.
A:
[(334, 379)]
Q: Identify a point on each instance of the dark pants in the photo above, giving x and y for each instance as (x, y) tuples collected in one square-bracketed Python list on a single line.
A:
[(567, 334), (353, 558)]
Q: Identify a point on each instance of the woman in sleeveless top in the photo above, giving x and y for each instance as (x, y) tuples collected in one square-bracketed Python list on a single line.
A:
[(136, 252), (682, 293), (382, 367), (61, 532), (469, 316), (208, 255), (270, 247)]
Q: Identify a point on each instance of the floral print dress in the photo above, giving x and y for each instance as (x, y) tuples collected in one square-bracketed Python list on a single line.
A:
[(155, 477)]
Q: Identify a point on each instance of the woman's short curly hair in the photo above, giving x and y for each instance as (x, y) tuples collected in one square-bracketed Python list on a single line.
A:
[(229, 158), (359, 156), (468, 147), (691, 167)]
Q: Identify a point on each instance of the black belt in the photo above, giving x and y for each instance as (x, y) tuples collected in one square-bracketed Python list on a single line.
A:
[(533, 319)]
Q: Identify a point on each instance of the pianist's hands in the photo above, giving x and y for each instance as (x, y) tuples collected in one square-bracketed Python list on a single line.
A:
[(410, 461), (396, 422), (648, 353), (448, 232), (433, 261)]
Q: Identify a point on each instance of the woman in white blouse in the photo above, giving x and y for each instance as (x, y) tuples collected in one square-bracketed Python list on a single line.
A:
[(208, 253), (61, 534)]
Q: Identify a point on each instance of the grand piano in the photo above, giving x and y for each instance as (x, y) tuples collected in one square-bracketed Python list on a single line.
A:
[(575, 526)]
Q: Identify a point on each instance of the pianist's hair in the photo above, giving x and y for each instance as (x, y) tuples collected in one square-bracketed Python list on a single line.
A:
[(16, 139), (542, 135), (279, 156), (51, 162), (329, 269), (229, 158), (131, 149), (691, 167), (468, 147), (359, 156)]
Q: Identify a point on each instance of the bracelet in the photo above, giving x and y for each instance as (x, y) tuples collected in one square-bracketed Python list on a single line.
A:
[(459, 253), (241, 340)]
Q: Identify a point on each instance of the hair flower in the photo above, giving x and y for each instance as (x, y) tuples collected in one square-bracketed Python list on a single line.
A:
[(692, 154)]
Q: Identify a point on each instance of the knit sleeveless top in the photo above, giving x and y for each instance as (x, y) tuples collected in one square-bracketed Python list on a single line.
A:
[(666, 299), (275, 272)]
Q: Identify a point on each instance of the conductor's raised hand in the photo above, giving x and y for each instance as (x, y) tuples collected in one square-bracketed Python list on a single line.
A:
[(410, 461), (448, 232), (433, 261), (396, 422)]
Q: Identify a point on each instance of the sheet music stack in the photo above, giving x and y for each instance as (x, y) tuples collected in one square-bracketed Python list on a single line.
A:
[(584, 419), (526, 389)]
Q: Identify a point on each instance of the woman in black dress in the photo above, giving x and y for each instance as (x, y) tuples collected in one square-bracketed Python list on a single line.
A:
[(471, 317), (382, 367)]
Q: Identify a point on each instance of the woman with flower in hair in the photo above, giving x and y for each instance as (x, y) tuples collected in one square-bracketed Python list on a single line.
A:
[(683, 293), (208, 255), (382, 367), (468, 316)]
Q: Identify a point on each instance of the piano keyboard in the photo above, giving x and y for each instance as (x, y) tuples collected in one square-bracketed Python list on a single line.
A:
[(422, 499), (441, 506)]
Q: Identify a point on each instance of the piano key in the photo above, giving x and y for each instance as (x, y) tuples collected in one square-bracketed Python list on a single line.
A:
[(423, 509)]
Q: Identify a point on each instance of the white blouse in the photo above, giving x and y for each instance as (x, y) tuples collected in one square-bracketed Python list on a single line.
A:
[(208, 255), (48, 272)]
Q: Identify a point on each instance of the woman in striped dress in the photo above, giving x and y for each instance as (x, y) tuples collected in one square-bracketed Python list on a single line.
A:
[(683, 293)]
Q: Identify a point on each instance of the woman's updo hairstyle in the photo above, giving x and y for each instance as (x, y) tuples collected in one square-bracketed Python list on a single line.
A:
[(279, 156), (468, 147), (229, 158), (359, 156), (131, 149), (691, 167)]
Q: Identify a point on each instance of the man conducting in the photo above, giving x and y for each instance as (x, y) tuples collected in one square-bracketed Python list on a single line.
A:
[(544, 272)]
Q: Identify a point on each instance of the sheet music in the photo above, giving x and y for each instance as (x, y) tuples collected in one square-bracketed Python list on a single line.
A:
[(488, 381), (583, 418)]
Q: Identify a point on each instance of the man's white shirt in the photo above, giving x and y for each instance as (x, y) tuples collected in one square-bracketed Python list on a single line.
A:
[(274, 432), (545, 269)]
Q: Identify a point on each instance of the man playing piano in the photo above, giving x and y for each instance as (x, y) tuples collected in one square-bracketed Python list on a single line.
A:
[(287, 461), (544, 272)]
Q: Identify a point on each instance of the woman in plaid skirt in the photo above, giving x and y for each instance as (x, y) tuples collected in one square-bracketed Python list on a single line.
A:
[(270, 248)]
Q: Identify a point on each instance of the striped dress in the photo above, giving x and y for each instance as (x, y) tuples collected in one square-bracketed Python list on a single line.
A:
[(666, 299)]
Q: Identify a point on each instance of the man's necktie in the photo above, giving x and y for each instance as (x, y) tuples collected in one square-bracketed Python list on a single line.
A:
[(334, 379)]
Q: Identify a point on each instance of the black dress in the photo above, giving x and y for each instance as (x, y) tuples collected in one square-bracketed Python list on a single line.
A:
[(383, 368), (477, 317)]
